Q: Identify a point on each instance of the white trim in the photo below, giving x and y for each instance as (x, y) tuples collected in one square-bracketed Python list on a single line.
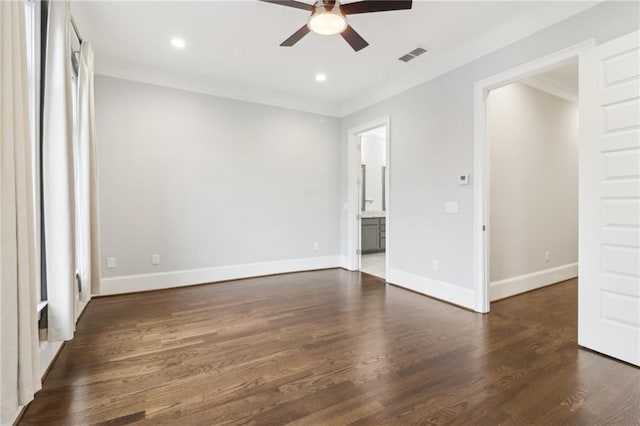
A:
[(447, 292), (523, 283), (344, 263), (15, 416), (481, 157), (163, 280), (81, 305), (430, 66), (41, 305), (553, 88), (48, 352), (115, 69), (353, 202)]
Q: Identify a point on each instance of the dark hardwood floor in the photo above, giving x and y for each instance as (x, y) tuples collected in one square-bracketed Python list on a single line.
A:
[(331, 347)]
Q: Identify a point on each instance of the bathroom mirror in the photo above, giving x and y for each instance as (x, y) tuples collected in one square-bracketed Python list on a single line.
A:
[(373, 169)]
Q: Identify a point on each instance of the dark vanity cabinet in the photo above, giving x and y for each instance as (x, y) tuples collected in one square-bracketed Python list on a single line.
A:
[(373, 238)]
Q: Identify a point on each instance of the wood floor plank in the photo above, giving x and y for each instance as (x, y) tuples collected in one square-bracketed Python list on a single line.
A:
[(331, 347)]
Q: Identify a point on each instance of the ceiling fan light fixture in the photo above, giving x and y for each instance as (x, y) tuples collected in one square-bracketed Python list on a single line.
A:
[(326, 22)]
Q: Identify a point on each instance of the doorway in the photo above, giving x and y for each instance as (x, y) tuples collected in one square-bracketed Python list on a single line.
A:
[(482, 158), (608, 303), (368, 198), (532, 227), (372, 201)]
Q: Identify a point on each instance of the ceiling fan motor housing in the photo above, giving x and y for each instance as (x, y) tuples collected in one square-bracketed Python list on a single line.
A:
[(328, 17)]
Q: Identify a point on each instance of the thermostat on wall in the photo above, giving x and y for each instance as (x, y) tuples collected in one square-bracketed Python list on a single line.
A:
[(463, 180)]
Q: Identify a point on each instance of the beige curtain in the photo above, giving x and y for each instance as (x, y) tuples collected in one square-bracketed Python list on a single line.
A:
[(58, 176), (19, 352), (87, 230)]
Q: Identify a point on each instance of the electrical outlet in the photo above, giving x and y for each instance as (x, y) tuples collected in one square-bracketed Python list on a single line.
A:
[(435, 264), (546, 257), (111, 262), (451, 207), (155, 259), (316, 245)]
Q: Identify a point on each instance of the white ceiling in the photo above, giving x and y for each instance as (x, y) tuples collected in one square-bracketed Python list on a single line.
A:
[(561, 81), (233, 46), (564, 76)]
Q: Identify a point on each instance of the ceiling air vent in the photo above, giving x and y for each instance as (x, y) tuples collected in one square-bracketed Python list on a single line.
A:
[(412, 55)]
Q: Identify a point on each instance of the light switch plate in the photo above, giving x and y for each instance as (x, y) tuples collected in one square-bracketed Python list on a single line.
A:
[(451, 207)]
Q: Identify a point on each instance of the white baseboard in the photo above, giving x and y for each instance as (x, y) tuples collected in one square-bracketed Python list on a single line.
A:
[(345, 263), (13, 419), (523, 283), (48, 351), (447, 292), (158, 281), (81, 305)]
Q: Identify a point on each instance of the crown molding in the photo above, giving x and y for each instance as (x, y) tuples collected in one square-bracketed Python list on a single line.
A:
[(429, 68), (439, 64), (111, 67), (553, 88)]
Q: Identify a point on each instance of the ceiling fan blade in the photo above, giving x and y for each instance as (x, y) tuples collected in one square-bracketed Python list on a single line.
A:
[(291, 3), (296, 37), (368, 6), (354, 39)]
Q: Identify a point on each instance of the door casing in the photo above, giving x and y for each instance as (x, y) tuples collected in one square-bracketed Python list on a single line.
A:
[(353, 201), (481, 159)]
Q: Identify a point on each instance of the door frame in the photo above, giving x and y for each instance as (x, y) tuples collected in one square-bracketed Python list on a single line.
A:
[(481, 249), (353, 189)]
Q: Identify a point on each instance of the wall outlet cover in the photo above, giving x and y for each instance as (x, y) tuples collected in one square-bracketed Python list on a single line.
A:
[(451, 207)]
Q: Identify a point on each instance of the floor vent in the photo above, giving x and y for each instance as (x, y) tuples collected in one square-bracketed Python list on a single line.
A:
[(412, 55)]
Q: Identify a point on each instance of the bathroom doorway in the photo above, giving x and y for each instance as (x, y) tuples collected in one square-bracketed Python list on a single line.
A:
[(373, 194)]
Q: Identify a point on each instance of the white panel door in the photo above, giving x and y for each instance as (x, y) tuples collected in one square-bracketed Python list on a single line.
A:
[(609, 212)]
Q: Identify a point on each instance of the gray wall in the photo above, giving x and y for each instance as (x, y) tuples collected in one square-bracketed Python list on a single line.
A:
[(432, 142), (206, 181), (533, 138)]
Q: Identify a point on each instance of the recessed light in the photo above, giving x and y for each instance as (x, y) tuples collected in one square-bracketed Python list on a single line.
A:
[(177, 42), (321, 77)]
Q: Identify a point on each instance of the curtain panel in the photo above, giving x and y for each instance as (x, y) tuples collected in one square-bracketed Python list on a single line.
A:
[(19, 349), (58, 176), (87, 229)]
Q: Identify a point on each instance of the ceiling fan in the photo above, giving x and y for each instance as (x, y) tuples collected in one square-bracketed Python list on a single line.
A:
[(329, 17)]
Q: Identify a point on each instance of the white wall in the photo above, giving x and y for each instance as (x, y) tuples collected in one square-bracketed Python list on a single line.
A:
[(374, 157), (208, 182), (431, 142), (533, 139)]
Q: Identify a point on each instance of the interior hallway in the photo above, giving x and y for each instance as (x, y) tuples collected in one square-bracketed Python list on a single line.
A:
[(331, 347)]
